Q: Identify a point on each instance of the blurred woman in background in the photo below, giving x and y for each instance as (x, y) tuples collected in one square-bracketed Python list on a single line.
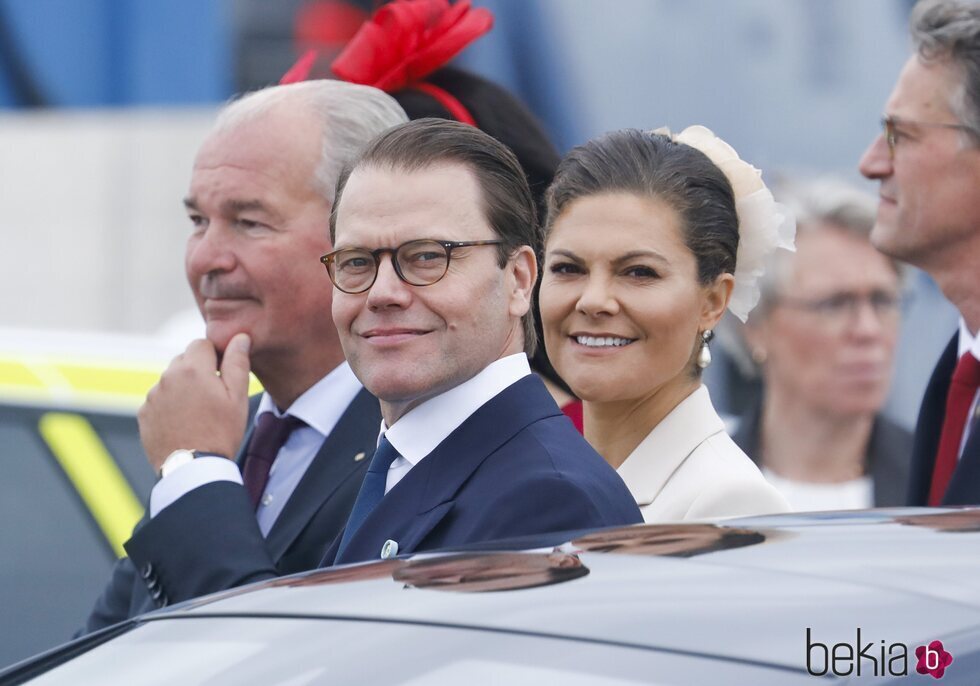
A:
[(640, 263), (824, 335)]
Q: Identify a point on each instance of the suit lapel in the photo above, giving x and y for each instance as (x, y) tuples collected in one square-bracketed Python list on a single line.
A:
[(930, 425), (649, 467), (964, 487), (355, 433), (888, 463), (420, 526), (423, 498)]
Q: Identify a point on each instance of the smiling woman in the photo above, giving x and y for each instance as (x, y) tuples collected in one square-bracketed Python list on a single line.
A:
[(642, 237)]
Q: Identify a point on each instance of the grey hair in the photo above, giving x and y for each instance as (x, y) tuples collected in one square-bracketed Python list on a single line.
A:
[(351, 116), (817, 204), (949, 30)]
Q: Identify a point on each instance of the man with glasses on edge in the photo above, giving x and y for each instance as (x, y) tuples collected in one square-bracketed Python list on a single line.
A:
[(928, 164), (435, 239)]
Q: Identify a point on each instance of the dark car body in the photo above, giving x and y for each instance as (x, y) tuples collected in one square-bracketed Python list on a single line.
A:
[(786, 599)]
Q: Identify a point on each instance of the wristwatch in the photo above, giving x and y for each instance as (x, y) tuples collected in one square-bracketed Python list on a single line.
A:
[(179, 458)]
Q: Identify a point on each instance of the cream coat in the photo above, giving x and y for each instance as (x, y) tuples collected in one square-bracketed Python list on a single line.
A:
[(688, 468)]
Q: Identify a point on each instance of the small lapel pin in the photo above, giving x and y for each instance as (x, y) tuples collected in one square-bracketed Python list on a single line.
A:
[(360, 456), (389, 549)]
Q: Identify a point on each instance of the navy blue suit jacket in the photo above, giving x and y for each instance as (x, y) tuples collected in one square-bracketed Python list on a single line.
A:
[(316, 511), (515, 467), (964, 487)]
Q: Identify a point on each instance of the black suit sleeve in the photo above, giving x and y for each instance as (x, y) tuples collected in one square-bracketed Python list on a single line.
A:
[(206, 541)]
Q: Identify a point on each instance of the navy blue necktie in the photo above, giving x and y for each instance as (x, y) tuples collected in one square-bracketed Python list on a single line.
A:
[(372, 490)]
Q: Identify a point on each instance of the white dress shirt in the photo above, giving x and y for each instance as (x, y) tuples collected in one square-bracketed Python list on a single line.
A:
[(320, 407), (419, 431), (969, 345)]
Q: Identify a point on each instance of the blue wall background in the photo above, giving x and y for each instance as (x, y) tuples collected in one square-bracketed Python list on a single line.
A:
[(88, 53)]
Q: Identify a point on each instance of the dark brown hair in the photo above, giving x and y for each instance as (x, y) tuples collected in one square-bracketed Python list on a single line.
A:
[(653, 165)]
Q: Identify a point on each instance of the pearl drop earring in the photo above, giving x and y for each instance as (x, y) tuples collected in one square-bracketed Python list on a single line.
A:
[(704, 354)]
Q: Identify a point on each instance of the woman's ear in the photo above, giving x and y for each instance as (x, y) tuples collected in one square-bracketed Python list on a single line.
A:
[(716, 297)]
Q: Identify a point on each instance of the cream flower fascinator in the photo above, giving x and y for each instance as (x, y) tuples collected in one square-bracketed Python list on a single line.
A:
[(764, 224)]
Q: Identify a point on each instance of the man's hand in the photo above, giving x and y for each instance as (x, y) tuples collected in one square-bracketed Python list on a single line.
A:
[(193, 407)]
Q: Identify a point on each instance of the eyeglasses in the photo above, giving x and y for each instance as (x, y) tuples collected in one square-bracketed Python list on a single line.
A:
[(892, 134), (842, 308), (417, 263)]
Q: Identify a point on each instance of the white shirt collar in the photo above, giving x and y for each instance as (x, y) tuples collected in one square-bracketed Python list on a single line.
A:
[(418, 432), (968, 341), (323, 403)]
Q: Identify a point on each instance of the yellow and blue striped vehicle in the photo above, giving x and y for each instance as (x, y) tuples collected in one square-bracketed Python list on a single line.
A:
[(75, 479)]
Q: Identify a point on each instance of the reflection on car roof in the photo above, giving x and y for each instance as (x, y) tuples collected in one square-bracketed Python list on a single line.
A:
[(748, 588)]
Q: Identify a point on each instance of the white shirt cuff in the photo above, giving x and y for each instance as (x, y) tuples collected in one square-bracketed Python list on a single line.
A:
[(199, 472)]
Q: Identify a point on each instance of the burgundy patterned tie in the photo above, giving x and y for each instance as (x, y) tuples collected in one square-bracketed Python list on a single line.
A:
[(269, 436)]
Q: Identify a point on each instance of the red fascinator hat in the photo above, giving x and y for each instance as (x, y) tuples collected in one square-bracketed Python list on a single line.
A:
[(403, 43)]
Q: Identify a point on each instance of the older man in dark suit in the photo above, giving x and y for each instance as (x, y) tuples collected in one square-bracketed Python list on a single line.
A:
[(928, 163), (259, 203), (434, 264)]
